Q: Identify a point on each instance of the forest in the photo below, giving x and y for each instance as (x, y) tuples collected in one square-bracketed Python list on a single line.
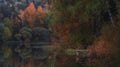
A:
[(59, 33)]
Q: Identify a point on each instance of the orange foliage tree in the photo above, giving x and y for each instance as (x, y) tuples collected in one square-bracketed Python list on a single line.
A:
[(30, 14)]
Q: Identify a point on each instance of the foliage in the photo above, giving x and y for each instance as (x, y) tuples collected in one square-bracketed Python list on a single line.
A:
[(67, 11), (70, 52), (49, 18), (7, 33), (118, 6), (8, 54), (25, 53), (30, 14), (73, 21), (84, 37), (40, 53), (1, 28), (26, 32), (8, 23), (82, 10), (106, 48), (20, 30), (33, 16)]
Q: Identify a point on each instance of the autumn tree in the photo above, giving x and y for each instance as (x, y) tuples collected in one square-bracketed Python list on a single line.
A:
[(33, 16), (80, 22), (29, 14)]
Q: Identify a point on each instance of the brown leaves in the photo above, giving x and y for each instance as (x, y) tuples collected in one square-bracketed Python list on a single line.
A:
[(30, 14), (40, 12), (64, 32)]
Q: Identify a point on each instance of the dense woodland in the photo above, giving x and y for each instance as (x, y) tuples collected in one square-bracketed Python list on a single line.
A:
[(37, 36)]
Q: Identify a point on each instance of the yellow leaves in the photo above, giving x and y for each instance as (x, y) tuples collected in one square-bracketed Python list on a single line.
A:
[(70, 52), (7, 33), (7, 52)]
